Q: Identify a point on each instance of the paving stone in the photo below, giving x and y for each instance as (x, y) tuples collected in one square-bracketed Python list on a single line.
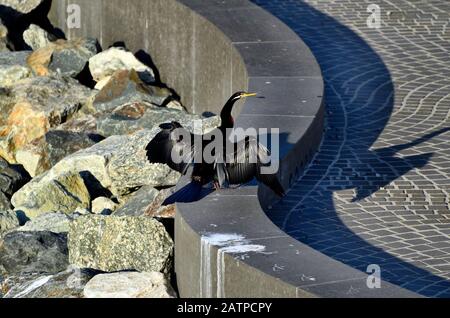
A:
[(387, 140)]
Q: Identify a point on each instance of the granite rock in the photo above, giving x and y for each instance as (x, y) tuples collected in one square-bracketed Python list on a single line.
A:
[(3, 37), (22, 6), (13, 68), (67, 284), (106, 63), (132, 117), (104, 206), (66, 57), (43, 153), (129, 285), (112, 244), (34, 252), (8, 221), (139, 202), (39, 104), (125, 87), (63, 194), (37, 38), (118, 164), (50, 222)]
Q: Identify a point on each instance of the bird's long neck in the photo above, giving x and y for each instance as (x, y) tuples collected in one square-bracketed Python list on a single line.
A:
[(225, 115)]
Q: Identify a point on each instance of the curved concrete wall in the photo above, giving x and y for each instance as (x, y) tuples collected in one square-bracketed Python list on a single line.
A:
[(206, 50), (191, 54)]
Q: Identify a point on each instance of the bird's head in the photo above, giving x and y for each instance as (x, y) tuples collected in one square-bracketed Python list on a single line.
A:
[(240, 95)]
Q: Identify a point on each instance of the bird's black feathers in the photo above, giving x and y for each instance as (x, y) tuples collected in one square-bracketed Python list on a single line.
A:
[(176, 147)]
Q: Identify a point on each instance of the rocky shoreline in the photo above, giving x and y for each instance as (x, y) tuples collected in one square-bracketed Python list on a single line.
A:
[(80, 205)]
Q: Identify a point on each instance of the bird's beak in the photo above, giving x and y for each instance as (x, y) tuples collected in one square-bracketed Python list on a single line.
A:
[(248, 95)]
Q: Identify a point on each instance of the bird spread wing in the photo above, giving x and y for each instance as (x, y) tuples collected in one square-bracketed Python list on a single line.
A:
[(246, 161), (165, 149)]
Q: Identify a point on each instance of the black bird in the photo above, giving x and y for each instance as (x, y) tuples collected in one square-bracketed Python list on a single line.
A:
[(240, 165)]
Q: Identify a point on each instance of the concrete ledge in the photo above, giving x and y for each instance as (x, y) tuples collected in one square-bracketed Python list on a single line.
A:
[(206, 50)]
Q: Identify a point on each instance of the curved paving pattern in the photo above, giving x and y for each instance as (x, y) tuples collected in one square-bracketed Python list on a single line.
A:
[(378, 191)]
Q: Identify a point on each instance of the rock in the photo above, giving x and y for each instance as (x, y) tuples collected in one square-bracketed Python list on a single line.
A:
[(12, 178), (125, 87), (13, 68), (163, 212), (34, 157), (43, 153), (39, 104), (51, 222), (129, 285), (86, 124), (63, 194), (66, 57), (8, 221), (67, 284), (5, 203), (82, 211), (72, 60), (129, 168), (138, 203), (3, 37), (174, 104), (62, 143), (118, 164), (132, 117), (37, 38), (22, 6), (34, 252), (148, 202), (111, 244), (103, 206), (106, 63)]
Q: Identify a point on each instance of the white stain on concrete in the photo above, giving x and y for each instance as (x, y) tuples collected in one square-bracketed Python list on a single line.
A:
[(226, 243)]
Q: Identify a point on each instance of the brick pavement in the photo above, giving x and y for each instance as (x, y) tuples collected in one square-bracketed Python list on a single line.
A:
[(378, 191)]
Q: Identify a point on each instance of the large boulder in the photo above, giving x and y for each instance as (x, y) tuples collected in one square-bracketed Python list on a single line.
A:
[(43, 153), (129, 285), (148, 201), (49, 222), (106, 63), (8, 221), (67, 284), (125, 87), (111, 244), (118, 164), (34, 252), (132, 117), (37, 38), (139, 202), (63, 194), (37, 105), (67, 57), (13, 68), (22, 6)]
